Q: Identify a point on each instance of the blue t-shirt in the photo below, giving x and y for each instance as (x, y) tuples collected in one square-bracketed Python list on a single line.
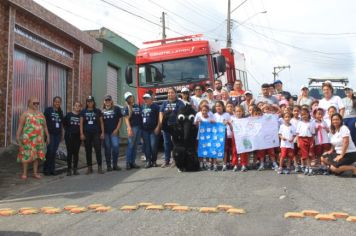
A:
[(54, 120), (170, 111), (150, 115), (111, 118), (72, 123), (91, 120), (136, 118)]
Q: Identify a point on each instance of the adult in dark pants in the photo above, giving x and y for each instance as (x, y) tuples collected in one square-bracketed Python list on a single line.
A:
[(167, 117), (150, 130), (54, 119), (92, 132), (112, 123), (133, 120), (72, 138)]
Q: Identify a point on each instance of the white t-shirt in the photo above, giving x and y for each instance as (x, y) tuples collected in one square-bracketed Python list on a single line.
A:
[(196, 101), (333, 101), (199, 116), (223, 118), (337, 139), (295, 122), (321, 135), (305, 129), (287, 132)]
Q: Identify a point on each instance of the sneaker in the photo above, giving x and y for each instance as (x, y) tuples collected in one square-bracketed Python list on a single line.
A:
[(208, 166), (164, 165), (235, 169), (69, 172), (326, 172), (280, 170), (306, 171), (179, 170), (173, 165), (201, 165), (297, 169), (215, 167), (243, 169), (109, 168), (275, 166), (261, 167), (75, 172), (287, 171), (154, 164), (224, 168), (116, 168), (100, 170), (128, 166), (148, 165), (310, 172), (302, 169)]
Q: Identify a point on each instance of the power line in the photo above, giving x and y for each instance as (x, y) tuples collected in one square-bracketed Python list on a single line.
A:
[(238, 6)]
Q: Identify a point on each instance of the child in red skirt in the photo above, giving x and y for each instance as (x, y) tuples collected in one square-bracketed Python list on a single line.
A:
[(287, 134), (322, 143), (305, 134), (239, 114)]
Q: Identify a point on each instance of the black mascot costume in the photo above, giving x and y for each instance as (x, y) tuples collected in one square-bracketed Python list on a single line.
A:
[(184, 137)]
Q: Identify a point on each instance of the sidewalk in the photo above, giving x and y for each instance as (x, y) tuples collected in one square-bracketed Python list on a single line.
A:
[(10, 169)]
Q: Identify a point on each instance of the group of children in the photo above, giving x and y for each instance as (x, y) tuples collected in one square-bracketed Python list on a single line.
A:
[(303, 133)]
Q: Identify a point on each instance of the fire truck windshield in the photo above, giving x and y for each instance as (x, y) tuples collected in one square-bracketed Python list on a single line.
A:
[(173, 72)]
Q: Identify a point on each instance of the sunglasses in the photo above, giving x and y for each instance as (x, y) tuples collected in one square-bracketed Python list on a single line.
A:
[(36, 103)]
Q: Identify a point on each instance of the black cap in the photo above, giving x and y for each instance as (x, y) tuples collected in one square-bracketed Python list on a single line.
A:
[(90, 98)]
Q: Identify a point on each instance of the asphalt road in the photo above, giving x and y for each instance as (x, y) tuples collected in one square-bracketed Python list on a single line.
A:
[(265, 196)]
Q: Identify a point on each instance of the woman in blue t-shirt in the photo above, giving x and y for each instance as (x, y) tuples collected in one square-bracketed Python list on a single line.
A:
[(112, 124), (168, 117), (150, 130), (92, 132), (133, 122), (71, 125), (54, 119)]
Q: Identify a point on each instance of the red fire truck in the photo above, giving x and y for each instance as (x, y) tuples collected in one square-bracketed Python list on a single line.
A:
[(180, 62)]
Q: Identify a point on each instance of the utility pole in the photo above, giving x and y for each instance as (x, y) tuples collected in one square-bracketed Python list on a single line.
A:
[(277, 70), (228, 26), (164, 36)]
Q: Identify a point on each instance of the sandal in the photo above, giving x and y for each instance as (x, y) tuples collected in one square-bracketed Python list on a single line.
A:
[(23, 177), (37, 176)]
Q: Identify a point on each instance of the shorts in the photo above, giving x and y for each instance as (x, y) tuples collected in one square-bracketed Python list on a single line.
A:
[(287, 152), (347, 160), (321, 148), (306, 146), (260, 154)]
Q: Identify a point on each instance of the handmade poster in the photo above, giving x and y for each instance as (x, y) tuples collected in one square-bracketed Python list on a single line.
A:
[(211, 140), (256, 133)]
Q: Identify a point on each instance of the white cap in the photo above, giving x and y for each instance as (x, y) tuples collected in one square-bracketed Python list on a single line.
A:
[(209, 89), (348, 87), (127, 95), (328, 82), (247, 92), (185, 89), (146, 95), (304, 86)]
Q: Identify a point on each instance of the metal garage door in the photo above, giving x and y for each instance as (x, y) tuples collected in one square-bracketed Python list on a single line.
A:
[(111, 82)]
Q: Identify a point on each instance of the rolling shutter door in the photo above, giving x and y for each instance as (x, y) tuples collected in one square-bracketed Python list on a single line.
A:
[(111, 82)]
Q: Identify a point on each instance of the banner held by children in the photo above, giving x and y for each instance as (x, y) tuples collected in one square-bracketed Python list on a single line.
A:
[(211, 140), (256, 133)]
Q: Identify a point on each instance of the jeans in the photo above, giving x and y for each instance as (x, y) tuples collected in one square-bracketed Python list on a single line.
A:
[(92, 139), (351, 124), (168, 146), (111, 145), (150, 145), (132, 145), (50, 163), (73, 145)]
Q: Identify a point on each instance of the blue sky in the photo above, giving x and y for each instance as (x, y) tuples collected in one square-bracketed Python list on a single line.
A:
[(316, 38)]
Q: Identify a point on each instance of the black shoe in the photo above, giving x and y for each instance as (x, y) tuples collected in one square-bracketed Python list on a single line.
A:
[(154, 164), (75, 172), (133, 165), (69, 173), (53, 173), (148, 165), (128, 166), (109, 168), (116, 168)]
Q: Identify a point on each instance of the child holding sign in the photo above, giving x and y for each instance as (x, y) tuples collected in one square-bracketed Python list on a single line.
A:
[(203, 115), (239, 114)]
